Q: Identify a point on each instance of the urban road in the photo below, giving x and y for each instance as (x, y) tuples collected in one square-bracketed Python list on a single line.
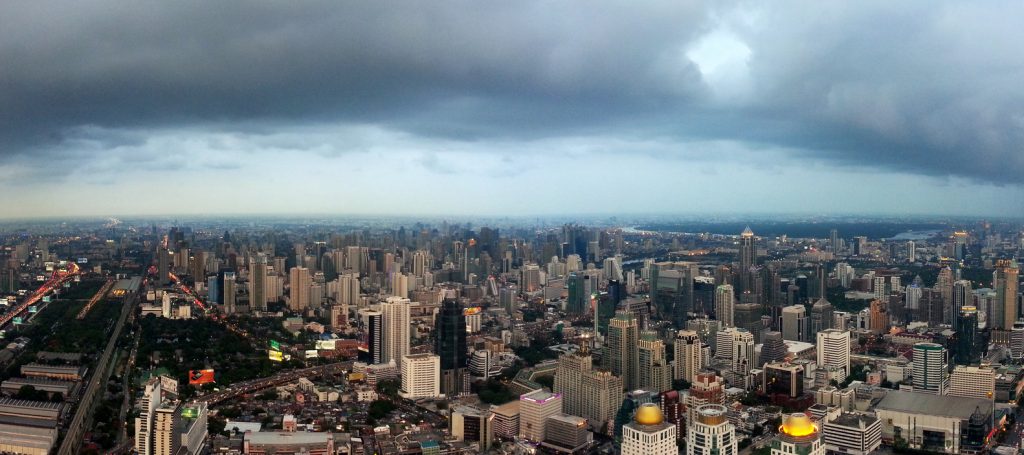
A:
[(73, 439), (255, 385)]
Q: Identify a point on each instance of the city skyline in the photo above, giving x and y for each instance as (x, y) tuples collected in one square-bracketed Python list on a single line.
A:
[(474, 109)]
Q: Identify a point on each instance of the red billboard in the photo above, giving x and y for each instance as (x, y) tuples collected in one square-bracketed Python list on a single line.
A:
[(196, 377)]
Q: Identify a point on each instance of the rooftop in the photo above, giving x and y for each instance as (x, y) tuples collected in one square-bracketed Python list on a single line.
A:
[(936, 405)]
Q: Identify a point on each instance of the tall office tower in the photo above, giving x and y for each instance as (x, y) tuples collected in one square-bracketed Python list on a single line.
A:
[(396, 328), (794, 323), (879, 317), (420, 373), (967, 351), (653, 370), (229, 292), (962, 296), (743, 359), (688, 355), (860, 246), (152, 396), (725, 298), (578, 297), (912, 301), (338, 317), (672, 290), (747, 259), (649, 433), (300, 283), (931, 368), (833, 350), (748, 316), (798, 435), (603, 396), (569, 379), (1005, 283), (507, 299), (773, 349), (258, 283), (531, 278), (450, 344), (613, 268), (944, 284), (911, 251), (163, 266), (822, 317), (710, 432), (534, 409), (833, 241), (958, 245), (166, 427), (620, 350), (374, 326), (419, 263)]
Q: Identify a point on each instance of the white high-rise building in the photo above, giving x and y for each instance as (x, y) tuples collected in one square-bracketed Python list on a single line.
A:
[(421, 375), (395, 328), (725, 301), (931, 366), (711, 433), (152, 395), (649, 433), (534, 409), (688, 355), (833, 349)]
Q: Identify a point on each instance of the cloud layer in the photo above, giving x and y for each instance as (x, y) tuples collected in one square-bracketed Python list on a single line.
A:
[(95, 89)]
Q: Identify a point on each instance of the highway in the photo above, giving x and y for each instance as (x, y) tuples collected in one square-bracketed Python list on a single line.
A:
[(95, 299), (255, 385), (101, 373), (56, 280)]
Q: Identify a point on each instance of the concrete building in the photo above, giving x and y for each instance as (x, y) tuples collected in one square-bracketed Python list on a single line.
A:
[(395, 330), (688, 353), (620, 351), (28, 427), (534, 409), (794, 323), (929, 422), (931, 368), (286, 442), (833, 349), (854, 434), (711, 433), (421, 375), (649, 433), (653, 371), (972, 382), (725, 299), (798, 435), (567, 434), (505, 420), (471, 425)]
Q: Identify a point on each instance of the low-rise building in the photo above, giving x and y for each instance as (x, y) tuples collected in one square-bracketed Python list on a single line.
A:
[(854, 434), (928, 422)]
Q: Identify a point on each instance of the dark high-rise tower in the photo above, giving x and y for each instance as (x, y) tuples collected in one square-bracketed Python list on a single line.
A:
[(747, 259), (578, 297), (967, 351), (450, 344)]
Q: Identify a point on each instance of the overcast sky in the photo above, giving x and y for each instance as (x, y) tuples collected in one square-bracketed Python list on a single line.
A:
[(518, 108)]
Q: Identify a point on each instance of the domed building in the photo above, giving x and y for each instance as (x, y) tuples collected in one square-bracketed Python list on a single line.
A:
[(798, 435), (649, 433)]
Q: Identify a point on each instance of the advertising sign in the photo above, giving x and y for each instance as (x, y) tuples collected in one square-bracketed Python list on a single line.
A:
[(275, 345), (311, 354), (328, 345), (189, 413), (276, 356), (200, 377)]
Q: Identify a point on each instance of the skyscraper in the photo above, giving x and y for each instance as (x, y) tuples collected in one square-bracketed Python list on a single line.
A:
[(534, 409), (621, 352), (649, 433), (578, 298), (821, 317), (962, 296), (931, 368), (672, 290), (450, 344), (748, 251), (710, 432), (569, 379), (653, 371), (833, 241), (833, 349), (374, 321), (725, 298), (300, 283), (396, 329), (688, 353), (258, 283), (967, 351), (1004, 312), (794, 323)]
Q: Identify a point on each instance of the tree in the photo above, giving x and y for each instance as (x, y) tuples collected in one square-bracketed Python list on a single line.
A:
[(388, 387), (27, 392), (380, 409)]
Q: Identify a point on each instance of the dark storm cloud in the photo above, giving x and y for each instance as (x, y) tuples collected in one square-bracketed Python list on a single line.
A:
[(922, 87)]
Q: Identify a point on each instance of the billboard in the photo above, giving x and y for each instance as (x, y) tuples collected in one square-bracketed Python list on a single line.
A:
[(311, 354), (190, 412), (46, 299), (276, 356), (200, 377), (32, 309), (275, 345), (17, 320), (326, 344), (83, 260)]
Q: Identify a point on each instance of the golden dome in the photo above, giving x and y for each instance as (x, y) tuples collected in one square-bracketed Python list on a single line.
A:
[(798, 425), (649, 414)]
